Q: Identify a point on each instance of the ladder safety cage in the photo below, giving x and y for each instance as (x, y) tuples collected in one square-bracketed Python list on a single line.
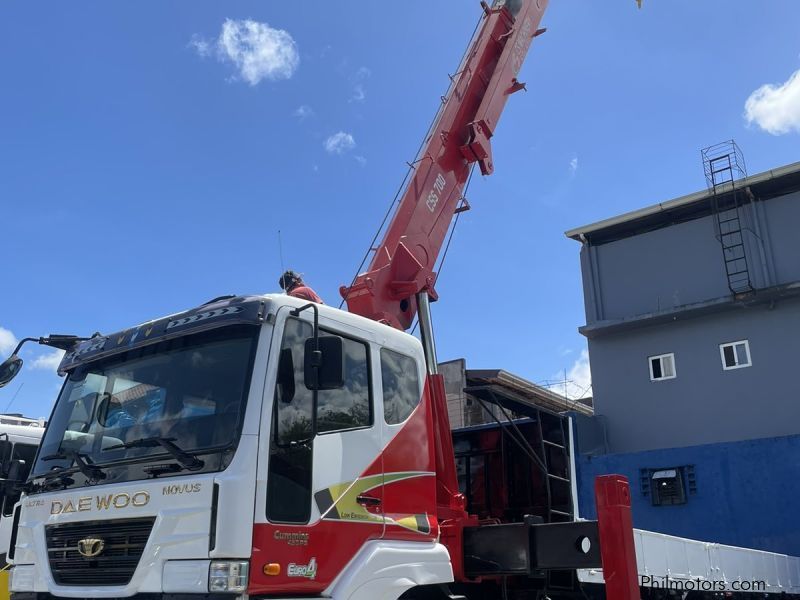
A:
[(724, 166)]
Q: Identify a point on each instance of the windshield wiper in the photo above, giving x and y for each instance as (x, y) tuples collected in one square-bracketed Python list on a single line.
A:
[(82, 462), (52, 481), (185, 459)]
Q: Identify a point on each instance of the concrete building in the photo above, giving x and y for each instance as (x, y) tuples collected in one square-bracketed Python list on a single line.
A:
[(693, 320)]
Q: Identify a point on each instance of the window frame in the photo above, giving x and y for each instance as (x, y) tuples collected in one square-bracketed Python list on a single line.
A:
[(420, 383), (323, 330), (660, 357), (370, 384), (733, 345)]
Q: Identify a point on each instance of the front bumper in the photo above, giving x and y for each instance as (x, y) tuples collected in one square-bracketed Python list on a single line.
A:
[(46, 596), (178, 578)]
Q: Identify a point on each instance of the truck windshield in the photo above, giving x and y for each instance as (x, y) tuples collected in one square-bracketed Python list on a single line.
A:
[(189, 390)]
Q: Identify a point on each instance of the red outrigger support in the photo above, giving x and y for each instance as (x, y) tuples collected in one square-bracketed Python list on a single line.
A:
[(617, 549)]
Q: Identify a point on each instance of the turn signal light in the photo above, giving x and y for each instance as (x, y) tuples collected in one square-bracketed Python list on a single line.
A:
[(272, 569)]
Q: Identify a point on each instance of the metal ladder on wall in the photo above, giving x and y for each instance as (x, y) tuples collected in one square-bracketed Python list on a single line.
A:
[(555, 456), (554, 448), (723, 165)]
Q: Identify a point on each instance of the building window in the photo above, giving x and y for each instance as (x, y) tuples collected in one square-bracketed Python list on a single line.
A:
[(662, 367), (735, 355), (667, 487)]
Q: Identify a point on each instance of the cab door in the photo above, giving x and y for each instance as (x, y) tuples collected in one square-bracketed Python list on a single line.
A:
[(324, 496), (348, 464), (409, 495)]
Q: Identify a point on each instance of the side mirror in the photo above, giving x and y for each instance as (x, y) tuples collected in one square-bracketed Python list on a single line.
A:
[(108, 407), (9, 369), (324, 368), (5, 455), (15, 470)]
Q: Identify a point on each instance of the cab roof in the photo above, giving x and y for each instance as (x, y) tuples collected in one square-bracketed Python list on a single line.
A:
[(225, 310)]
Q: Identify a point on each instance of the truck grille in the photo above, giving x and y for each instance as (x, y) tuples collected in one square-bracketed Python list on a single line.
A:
[(123, 544)]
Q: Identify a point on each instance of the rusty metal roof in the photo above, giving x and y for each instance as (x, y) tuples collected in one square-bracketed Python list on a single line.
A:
[(526, 391)]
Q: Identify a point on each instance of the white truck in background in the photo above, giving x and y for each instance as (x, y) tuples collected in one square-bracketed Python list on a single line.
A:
[(19, 440)]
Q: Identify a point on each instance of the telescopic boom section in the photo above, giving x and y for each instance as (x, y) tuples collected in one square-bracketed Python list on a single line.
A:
[(403, 263)]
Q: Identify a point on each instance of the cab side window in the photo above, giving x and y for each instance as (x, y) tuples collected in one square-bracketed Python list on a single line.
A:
[(401, 392), (348, 407), (290, 456)]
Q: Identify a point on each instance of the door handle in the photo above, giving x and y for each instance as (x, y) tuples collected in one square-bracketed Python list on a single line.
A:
[(368, 501)]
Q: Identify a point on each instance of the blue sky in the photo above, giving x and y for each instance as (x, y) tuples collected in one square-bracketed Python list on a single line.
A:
[(148, 156)]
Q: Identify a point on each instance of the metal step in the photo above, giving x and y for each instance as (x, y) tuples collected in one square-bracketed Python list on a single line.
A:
[(553, 444)]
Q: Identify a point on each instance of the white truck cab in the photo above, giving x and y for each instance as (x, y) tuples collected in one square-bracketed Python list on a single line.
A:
[(197, 454), (19, 440)]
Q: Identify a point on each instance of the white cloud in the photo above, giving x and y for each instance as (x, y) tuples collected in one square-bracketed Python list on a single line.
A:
[(360, 160), (7, 343), (303, 112), (339, 143), (49, 361), (578, 382), (257, 50), (573, 165), (775, 108), (358, 93), (200, 45)]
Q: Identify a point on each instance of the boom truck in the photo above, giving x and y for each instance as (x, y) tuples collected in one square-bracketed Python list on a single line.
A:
[(266, 446)]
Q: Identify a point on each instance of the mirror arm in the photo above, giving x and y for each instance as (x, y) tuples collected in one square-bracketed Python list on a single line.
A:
[(21, 342), (63, 342), (296, 312), (317, 358), (11, 366), (316, 361)]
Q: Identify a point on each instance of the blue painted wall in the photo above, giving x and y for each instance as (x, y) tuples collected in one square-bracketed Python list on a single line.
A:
[(748, 492)]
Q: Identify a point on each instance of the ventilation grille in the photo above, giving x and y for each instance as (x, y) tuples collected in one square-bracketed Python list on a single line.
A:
[(123, 544)]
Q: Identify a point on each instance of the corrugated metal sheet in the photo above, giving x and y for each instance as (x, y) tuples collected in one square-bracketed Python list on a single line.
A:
[(465, 411), (527, 391)]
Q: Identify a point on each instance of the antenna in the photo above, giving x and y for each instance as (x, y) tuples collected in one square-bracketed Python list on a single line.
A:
[(14, 397), (280, 253)]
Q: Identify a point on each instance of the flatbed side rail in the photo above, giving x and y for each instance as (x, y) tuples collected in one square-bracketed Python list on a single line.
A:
[(670, 562)]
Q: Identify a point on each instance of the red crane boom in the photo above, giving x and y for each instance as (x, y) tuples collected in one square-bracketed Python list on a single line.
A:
[(403, 263)]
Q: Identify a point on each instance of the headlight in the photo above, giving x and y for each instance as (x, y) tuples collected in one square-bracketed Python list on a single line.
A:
[(228, 575)]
